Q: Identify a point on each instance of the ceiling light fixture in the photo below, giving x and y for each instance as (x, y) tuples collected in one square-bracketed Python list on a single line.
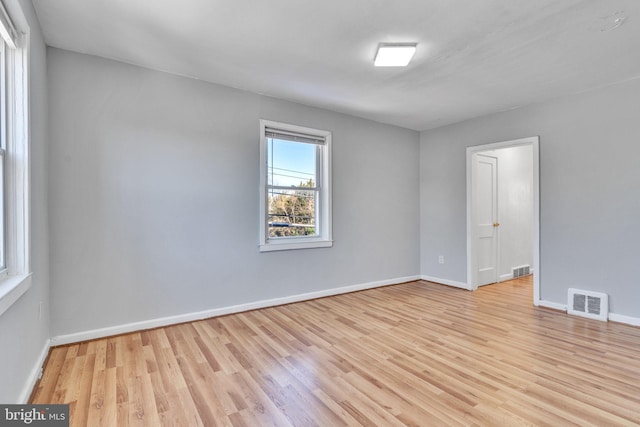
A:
[(394, 54)]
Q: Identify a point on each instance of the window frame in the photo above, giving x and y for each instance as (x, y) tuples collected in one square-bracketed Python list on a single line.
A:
[(323, 236), (15, 134), (4, 132)]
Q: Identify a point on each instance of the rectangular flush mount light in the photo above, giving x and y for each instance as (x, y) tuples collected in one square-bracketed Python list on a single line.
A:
[(394, 54)]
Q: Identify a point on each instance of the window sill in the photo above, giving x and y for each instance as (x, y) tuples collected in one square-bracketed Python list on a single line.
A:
[(288, 245), (12, 288)]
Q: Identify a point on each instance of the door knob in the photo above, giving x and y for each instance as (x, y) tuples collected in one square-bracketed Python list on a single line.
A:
[(496, 224)]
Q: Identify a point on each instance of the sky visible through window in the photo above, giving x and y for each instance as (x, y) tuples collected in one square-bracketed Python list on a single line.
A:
[(291, 163)]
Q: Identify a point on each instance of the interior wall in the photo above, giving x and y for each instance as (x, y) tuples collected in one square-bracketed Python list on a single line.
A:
[(515, 208), (154, 197), (588, 182), (23, 332)]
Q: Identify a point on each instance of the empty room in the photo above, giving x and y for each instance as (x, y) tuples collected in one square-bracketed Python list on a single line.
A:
[(304, 213)]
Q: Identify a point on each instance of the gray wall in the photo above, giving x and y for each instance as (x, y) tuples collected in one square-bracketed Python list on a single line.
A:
[(154, 197), (589, 181), (22, 334)]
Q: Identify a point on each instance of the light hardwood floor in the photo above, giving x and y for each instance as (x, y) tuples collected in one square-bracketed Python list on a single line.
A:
[(417, 354)]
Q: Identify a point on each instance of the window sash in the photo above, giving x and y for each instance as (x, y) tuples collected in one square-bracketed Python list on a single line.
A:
[(291, 187), (317, 189), (3, 222), (4, 118), (270, 166), (16, 159), (316, 220)]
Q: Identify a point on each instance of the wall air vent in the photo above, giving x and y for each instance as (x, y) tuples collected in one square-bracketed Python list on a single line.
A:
[(594, 305), (523, 270)]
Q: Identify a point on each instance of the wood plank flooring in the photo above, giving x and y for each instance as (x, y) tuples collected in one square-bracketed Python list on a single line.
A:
[(415, 354)]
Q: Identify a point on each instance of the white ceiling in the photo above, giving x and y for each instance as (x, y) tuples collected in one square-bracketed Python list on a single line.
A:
[(474, 57)]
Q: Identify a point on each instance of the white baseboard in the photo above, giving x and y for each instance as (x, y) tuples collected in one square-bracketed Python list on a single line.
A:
[(189, 317), (446, 282), (35, 374), (553, 305), (621, 318)]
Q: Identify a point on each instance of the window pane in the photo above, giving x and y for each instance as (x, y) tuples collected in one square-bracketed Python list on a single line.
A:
[(3, 146), (291, 164), (3, 264), (291, 212)]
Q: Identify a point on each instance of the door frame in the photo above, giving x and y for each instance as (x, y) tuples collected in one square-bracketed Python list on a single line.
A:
[(534, 142)]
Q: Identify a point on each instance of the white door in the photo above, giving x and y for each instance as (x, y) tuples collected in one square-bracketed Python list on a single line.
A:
[(485, 218)]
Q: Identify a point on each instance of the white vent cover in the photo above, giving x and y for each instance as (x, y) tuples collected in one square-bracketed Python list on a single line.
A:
[(594, 305), (523, 270)]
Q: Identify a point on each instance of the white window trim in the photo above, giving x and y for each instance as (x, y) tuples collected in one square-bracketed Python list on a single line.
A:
[(14, 283), (323, 221)]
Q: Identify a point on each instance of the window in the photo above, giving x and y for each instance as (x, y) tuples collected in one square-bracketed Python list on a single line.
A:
[(295, 187), (3, 147), (14, 160)]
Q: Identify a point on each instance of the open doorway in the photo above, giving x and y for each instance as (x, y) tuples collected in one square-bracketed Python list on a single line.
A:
[(503, 215)]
